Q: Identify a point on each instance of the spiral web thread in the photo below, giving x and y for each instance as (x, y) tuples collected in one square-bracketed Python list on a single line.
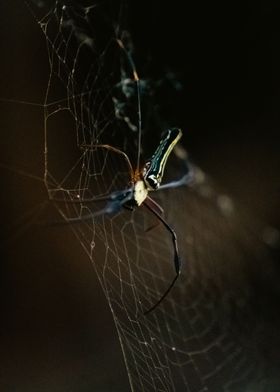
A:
[(202, 337)]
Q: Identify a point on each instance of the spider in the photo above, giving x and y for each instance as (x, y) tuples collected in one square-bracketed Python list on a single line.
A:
[(142, 181), (137, 194)]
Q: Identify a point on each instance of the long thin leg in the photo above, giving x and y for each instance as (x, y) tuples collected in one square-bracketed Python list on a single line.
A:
[(155, 206), (114, 196), (137, 81), (187, 179), (177, 263), (108, 147), (116, 202)]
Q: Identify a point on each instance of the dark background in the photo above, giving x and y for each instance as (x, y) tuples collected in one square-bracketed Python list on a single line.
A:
[(227, 55), (56, 329)]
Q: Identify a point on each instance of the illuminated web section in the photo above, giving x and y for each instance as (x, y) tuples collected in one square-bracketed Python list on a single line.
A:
[(202, 337)]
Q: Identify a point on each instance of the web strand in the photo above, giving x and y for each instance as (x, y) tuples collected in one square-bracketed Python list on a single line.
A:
[(189, 342), (137, 81)]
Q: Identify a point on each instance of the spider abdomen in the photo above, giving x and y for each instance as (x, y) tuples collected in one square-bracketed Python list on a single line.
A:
[(154, 167)]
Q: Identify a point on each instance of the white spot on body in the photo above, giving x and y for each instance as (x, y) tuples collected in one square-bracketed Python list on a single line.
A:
[(140, 192)]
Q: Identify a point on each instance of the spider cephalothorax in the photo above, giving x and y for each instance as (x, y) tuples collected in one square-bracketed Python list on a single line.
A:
[(140, 192)]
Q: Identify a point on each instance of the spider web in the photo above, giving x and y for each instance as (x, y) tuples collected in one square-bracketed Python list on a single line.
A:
[(202, 337)]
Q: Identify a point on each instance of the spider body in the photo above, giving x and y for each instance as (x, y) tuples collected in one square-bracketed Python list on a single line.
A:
[(154, 167), (137, 194), (151, 176), (141, 182)]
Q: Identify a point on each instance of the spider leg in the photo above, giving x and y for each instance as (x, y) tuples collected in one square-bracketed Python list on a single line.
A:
[(153, 204), (187, 179), (177, 263), (117, 195), (116, 201), (129, 208), (111, 208), (108, 147)]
